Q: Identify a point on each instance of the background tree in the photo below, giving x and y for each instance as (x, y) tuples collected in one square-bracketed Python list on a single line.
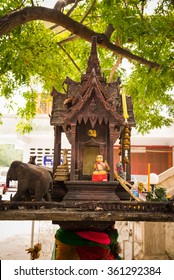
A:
[(9, 153), (42, 46)]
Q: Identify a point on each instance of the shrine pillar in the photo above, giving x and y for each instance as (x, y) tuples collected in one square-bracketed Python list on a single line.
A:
[(57, 147), (73, 149), (154, 241), (111, 153)]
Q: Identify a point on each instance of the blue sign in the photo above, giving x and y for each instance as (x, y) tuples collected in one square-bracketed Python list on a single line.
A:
[(48, 160)]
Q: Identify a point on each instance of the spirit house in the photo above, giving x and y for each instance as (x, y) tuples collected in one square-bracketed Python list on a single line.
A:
[(91, 114)]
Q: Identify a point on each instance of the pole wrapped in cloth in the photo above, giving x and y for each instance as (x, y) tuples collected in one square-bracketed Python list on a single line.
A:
[(86, 245)]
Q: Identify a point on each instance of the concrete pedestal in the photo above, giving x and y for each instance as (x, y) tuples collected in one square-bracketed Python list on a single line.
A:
[(154, 241)]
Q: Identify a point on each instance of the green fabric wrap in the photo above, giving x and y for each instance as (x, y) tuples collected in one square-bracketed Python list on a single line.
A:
[(71, 238), (113, 234)]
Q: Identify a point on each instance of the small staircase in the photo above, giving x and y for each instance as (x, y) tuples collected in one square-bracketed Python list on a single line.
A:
[(166, 179)]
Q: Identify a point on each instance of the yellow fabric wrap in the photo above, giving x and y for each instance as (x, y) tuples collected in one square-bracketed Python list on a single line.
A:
[(124, 103), (65, 251)]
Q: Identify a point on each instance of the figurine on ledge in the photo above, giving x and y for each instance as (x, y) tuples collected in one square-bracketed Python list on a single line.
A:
[(101, 169), (120, 170)]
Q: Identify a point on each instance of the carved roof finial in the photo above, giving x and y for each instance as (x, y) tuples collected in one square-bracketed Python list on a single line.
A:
[(93, 62)]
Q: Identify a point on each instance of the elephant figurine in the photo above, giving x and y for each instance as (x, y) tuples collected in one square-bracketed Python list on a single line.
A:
[(32, 160), (32, 179)]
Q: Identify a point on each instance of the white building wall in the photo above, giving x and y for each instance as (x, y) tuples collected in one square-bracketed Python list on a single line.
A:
[(39, 142), (41, 137)]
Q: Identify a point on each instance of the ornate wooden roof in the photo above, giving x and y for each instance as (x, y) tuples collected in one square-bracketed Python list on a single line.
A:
[(91, 99)]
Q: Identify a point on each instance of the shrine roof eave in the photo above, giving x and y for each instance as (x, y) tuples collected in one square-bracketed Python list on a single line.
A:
[(112, 120), (115, 117)]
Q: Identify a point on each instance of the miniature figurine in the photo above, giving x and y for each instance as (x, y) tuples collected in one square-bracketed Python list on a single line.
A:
[(65, 157), (120, 171), (32, 160), (62, 170), (101, 169)]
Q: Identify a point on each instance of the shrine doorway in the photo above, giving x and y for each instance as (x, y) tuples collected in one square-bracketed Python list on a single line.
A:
[(89, 156)]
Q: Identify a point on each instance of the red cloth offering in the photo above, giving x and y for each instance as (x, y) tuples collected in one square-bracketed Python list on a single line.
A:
[(99, 177), (99, 237)]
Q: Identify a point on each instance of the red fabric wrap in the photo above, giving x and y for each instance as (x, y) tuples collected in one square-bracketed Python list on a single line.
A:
[(99, 237), (99, 177), (94, 253)]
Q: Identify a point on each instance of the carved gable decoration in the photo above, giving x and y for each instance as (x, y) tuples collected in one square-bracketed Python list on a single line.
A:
[(94, 96)]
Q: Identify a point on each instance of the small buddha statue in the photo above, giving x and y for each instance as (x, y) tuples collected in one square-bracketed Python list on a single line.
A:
[(101, 169), (62, 170)]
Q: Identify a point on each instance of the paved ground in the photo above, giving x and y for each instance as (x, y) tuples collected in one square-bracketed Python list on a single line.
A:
[(17, 236)]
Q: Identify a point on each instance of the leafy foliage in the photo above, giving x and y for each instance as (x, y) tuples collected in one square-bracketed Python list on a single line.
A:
[(8, 153), (34, 54), (159, 194)]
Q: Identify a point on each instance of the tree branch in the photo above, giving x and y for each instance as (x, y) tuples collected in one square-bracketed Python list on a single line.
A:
[(88, 11), (109, 30), (72, 37), (69, 39), (68, 13), (14, 19), (117, 63), (72, 60), (60, 4)]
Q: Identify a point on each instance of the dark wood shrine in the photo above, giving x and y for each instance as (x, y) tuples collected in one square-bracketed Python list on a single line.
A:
[(91, 115)]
